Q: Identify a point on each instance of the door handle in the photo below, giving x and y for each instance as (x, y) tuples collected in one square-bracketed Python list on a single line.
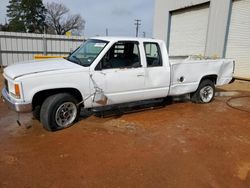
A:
[(140, 75)]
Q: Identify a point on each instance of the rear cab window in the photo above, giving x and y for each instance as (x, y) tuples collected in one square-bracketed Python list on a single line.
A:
[(153, 54)]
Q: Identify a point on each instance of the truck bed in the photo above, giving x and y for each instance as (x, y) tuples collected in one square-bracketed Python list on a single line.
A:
[(184, 73)]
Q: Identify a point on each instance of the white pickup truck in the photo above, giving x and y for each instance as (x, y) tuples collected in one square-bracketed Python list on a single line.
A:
[(107, 71)]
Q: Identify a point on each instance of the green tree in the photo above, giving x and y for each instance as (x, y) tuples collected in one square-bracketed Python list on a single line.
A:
[(26, 16), (14, 12), (33, 15), (4, 27)]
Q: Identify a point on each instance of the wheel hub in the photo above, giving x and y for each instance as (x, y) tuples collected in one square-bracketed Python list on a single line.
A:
[(66, 114), (206, 94)]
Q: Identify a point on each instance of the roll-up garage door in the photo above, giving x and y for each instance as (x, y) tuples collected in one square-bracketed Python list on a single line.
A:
[(238, 44), (188, 31)]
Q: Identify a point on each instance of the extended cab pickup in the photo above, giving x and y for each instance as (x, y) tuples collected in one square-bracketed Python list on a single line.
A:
[(107, 71)]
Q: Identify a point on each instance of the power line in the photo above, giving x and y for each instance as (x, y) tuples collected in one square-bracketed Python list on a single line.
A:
[(137, 24)]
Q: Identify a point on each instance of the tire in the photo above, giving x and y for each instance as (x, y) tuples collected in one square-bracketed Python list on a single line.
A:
[(59, 111), (205, 92)]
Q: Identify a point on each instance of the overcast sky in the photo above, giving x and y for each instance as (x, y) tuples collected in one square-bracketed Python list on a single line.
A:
[(116, 15)]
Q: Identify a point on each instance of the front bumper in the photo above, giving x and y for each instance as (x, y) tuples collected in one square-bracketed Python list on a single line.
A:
[(15, 105)]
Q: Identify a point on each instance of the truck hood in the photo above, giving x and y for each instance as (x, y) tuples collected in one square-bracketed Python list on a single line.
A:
[(33, 67)]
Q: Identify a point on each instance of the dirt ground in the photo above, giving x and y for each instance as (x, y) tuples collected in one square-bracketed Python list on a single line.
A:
[(179, 145)]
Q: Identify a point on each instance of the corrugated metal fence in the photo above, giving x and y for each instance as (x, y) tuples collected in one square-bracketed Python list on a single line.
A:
[(17, 47)]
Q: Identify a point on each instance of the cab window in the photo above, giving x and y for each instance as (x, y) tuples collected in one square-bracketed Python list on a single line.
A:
[(153, 54), (124, 54)]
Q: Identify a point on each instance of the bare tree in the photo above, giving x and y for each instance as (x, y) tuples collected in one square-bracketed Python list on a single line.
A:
[(60, 21)]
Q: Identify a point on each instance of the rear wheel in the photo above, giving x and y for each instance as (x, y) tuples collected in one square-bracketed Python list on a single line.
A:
[(205, 92), (59, 111)]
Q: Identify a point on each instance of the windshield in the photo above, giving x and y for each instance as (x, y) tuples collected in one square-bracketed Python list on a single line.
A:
[(87, 52)]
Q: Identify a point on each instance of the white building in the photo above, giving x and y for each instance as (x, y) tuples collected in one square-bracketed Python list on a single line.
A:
[(218, 28)]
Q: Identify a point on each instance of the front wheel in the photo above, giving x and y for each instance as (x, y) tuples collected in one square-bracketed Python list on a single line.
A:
[(205, 92), (59, 111)]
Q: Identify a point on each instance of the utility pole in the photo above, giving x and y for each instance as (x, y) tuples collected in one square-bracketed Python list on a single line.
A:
[(144, 34), (137, 24)]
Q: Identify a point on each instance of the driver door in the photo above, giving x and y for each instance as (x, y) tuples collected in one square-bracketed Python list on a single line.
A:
[(120, 73)]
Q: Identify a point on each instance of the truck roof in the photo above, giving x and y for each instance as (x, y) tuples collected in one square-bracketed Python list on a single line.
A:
[(114, 39)]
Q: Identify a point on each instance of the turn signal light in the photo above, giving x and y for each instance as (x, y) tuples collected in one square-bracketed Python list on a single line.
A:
[(17, 91)]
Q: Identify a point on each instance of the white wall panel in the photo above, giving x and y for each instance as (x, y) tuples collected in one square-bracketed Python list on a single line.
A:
[(238, 44), (188, 31)]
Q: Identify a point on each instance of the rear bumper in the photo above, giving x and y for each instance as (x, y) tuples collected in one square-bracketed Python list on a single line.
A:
[(15, 105)]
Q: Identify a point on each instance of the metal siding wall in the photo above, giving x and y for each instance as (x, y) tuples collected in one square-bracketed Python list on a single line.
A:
[(188, 31), (217, 26), (18, 47), (161, 17), (238, 45), (161, 20)]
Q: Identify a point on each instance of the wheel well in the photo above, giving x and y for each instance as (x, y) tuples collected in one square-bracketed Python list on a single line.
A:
[(213, 78), (39, 97)]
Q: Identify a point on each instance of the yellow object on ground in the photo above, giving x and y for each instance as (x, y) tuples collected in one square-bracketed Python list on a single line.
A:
[(47, 56)]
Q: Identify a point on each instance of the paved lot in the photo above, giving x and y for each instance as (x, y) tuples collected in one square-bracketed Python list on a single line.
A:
[(179, 145)]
